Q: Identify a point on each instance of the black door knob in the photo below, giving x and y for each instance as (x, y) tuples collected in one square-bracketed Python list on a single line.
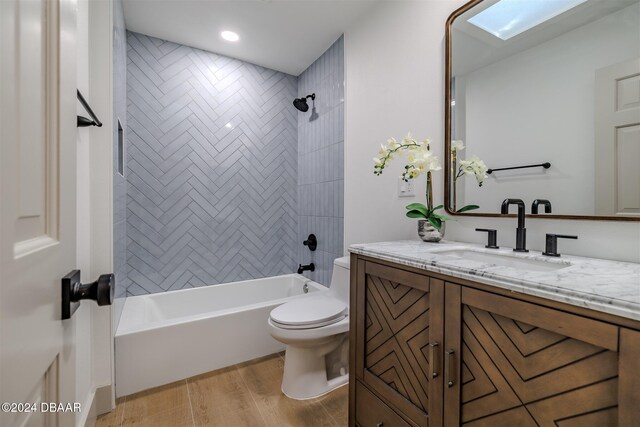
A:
[(73, 291), (100, 291)]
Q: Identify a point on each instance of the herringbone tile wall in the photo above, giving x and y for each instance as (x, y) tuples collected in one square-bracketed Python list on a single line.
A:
[(211, 168), (321, 162)]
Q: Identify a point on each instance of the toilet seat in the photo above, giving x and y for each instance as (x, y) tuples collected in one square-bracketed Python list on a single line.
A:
[(307, 313)]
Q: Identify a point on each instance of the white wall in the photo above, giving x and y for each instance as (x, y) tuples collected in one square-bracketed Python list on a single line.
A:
[(544, 97), (91, 324), (101, 206), (393, 84), (394, 73), (82, 319)]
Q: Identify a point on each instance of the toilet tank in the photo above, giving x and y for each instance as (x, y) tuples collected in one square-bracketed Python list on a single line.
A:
[(340, 278)]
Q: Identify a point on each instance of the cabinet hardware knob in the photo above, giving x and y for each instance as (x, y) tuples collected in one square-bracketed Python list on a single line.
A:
[(379, 424)]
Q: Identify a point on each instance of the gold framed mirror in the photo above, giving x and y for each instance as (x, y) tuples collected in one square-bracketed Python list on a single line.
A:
[(542, 103)]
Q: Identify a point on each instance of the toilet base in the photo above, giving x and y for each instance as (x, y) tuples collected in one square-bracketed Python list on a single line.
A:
[(333, 384), (305, 372)]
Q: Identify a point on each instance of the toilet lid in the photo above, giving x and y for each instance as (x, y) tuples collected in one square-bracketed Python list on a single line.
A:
[(309, 312)]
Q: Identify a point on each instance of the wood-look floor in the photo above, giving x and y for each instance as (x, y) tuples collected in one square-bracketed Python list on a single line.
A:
[(242, 395)]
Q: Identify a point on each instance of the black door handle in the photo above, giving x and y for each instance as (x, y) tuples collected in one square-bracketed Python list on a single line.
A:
[(73, 291)]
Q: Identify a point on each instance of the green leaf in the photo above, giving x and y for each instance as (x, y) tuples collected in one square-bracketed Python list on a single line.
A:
[(441, 217), (420, 208), (435, 222), (416, 206), (438, 207), (416, 214), (468, 208)]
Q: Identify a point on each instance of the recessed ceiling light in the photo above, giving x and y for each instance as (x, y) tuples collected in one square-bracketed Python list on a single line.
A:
[(508, 18), (230, 36)]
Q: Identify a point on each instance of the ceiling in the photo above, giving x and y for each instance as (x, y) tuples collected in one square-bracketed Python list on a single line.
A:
[(284, 35), (474, 48)]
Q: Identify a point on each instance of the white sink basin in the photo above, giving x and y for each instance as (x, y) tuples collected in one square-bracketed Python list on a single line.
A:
[(504, 260)]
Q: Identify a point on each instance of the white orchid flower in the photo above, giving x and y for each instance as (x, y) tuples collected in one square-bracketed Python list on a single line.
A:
[(436, 164), (409, 139), (457, 145), (420, 161), (424, 161), (474, 166), (410, 173)]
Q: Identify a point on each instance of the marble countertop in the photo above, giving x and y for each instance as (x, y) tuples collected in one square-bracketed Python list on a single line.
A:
[(607, 286)]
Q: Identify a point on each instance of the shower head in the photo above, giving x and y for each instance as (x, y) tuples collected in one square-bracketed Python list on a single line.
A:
[(301, 103)]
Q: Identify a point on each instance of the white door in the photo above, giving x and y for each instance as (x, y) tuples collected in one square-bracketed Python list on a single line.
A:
[(617, 129), (37, 205)]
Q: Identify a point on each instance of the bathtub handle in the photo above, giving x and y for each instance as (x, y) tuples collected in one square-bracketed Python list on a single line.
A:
[(73, 291), (311, 242)]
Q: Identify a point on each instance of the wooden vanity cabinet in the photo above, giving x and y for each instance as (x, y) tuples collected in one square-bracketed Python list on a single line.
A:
[(399, 332), (512, 362), (427, 351)]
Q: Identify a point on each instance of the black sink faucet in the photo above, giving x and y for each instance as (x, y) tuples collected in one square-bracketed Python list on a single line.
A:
[(521, 232), (303, 268), (538, 202)]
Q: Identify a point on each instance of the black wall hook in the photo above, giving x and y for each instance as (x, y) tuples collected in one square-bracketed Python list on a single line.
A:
[(83, 121)]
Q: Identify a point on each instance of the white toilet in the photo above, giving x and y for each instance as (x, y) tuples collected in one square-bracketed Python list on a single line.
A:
[(316, 332)]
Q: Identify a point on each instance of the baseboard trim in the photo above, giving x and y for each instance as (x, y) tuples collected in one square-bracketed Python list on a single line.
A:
[(89, 417), (104, 399), (100, 402)]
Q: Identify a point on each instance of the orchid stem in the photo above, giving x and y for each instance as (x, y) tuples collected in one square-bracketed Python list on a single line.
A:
[(429, 194)]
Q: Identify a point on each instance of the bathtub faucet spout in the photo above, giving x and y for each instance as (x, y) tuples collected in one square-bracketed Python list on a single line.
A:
[(302, 268)]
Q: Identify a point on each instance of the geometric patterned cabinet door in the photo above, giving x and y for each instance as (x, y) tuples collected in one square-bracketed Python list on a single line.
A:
[(400, 337), (522, 364)]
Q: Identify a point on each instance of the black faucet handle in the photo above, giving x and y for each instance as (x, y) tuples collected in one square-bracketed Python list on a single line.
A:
[(311, 242), (492, 237), (551, 246)]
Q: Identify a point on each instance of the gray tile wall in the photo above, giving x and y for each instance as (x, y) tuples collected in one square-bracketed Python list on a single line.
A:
[(211, 168), (321, 162), (119, 181)]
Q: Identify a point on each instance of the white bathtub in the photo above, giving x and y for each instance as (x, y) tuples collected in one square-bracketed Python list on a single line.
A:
[(174, 335)]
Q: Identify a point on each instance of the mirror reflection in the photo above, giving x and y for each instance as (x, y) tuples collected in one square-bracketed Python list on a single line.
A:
[(545, 95)]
